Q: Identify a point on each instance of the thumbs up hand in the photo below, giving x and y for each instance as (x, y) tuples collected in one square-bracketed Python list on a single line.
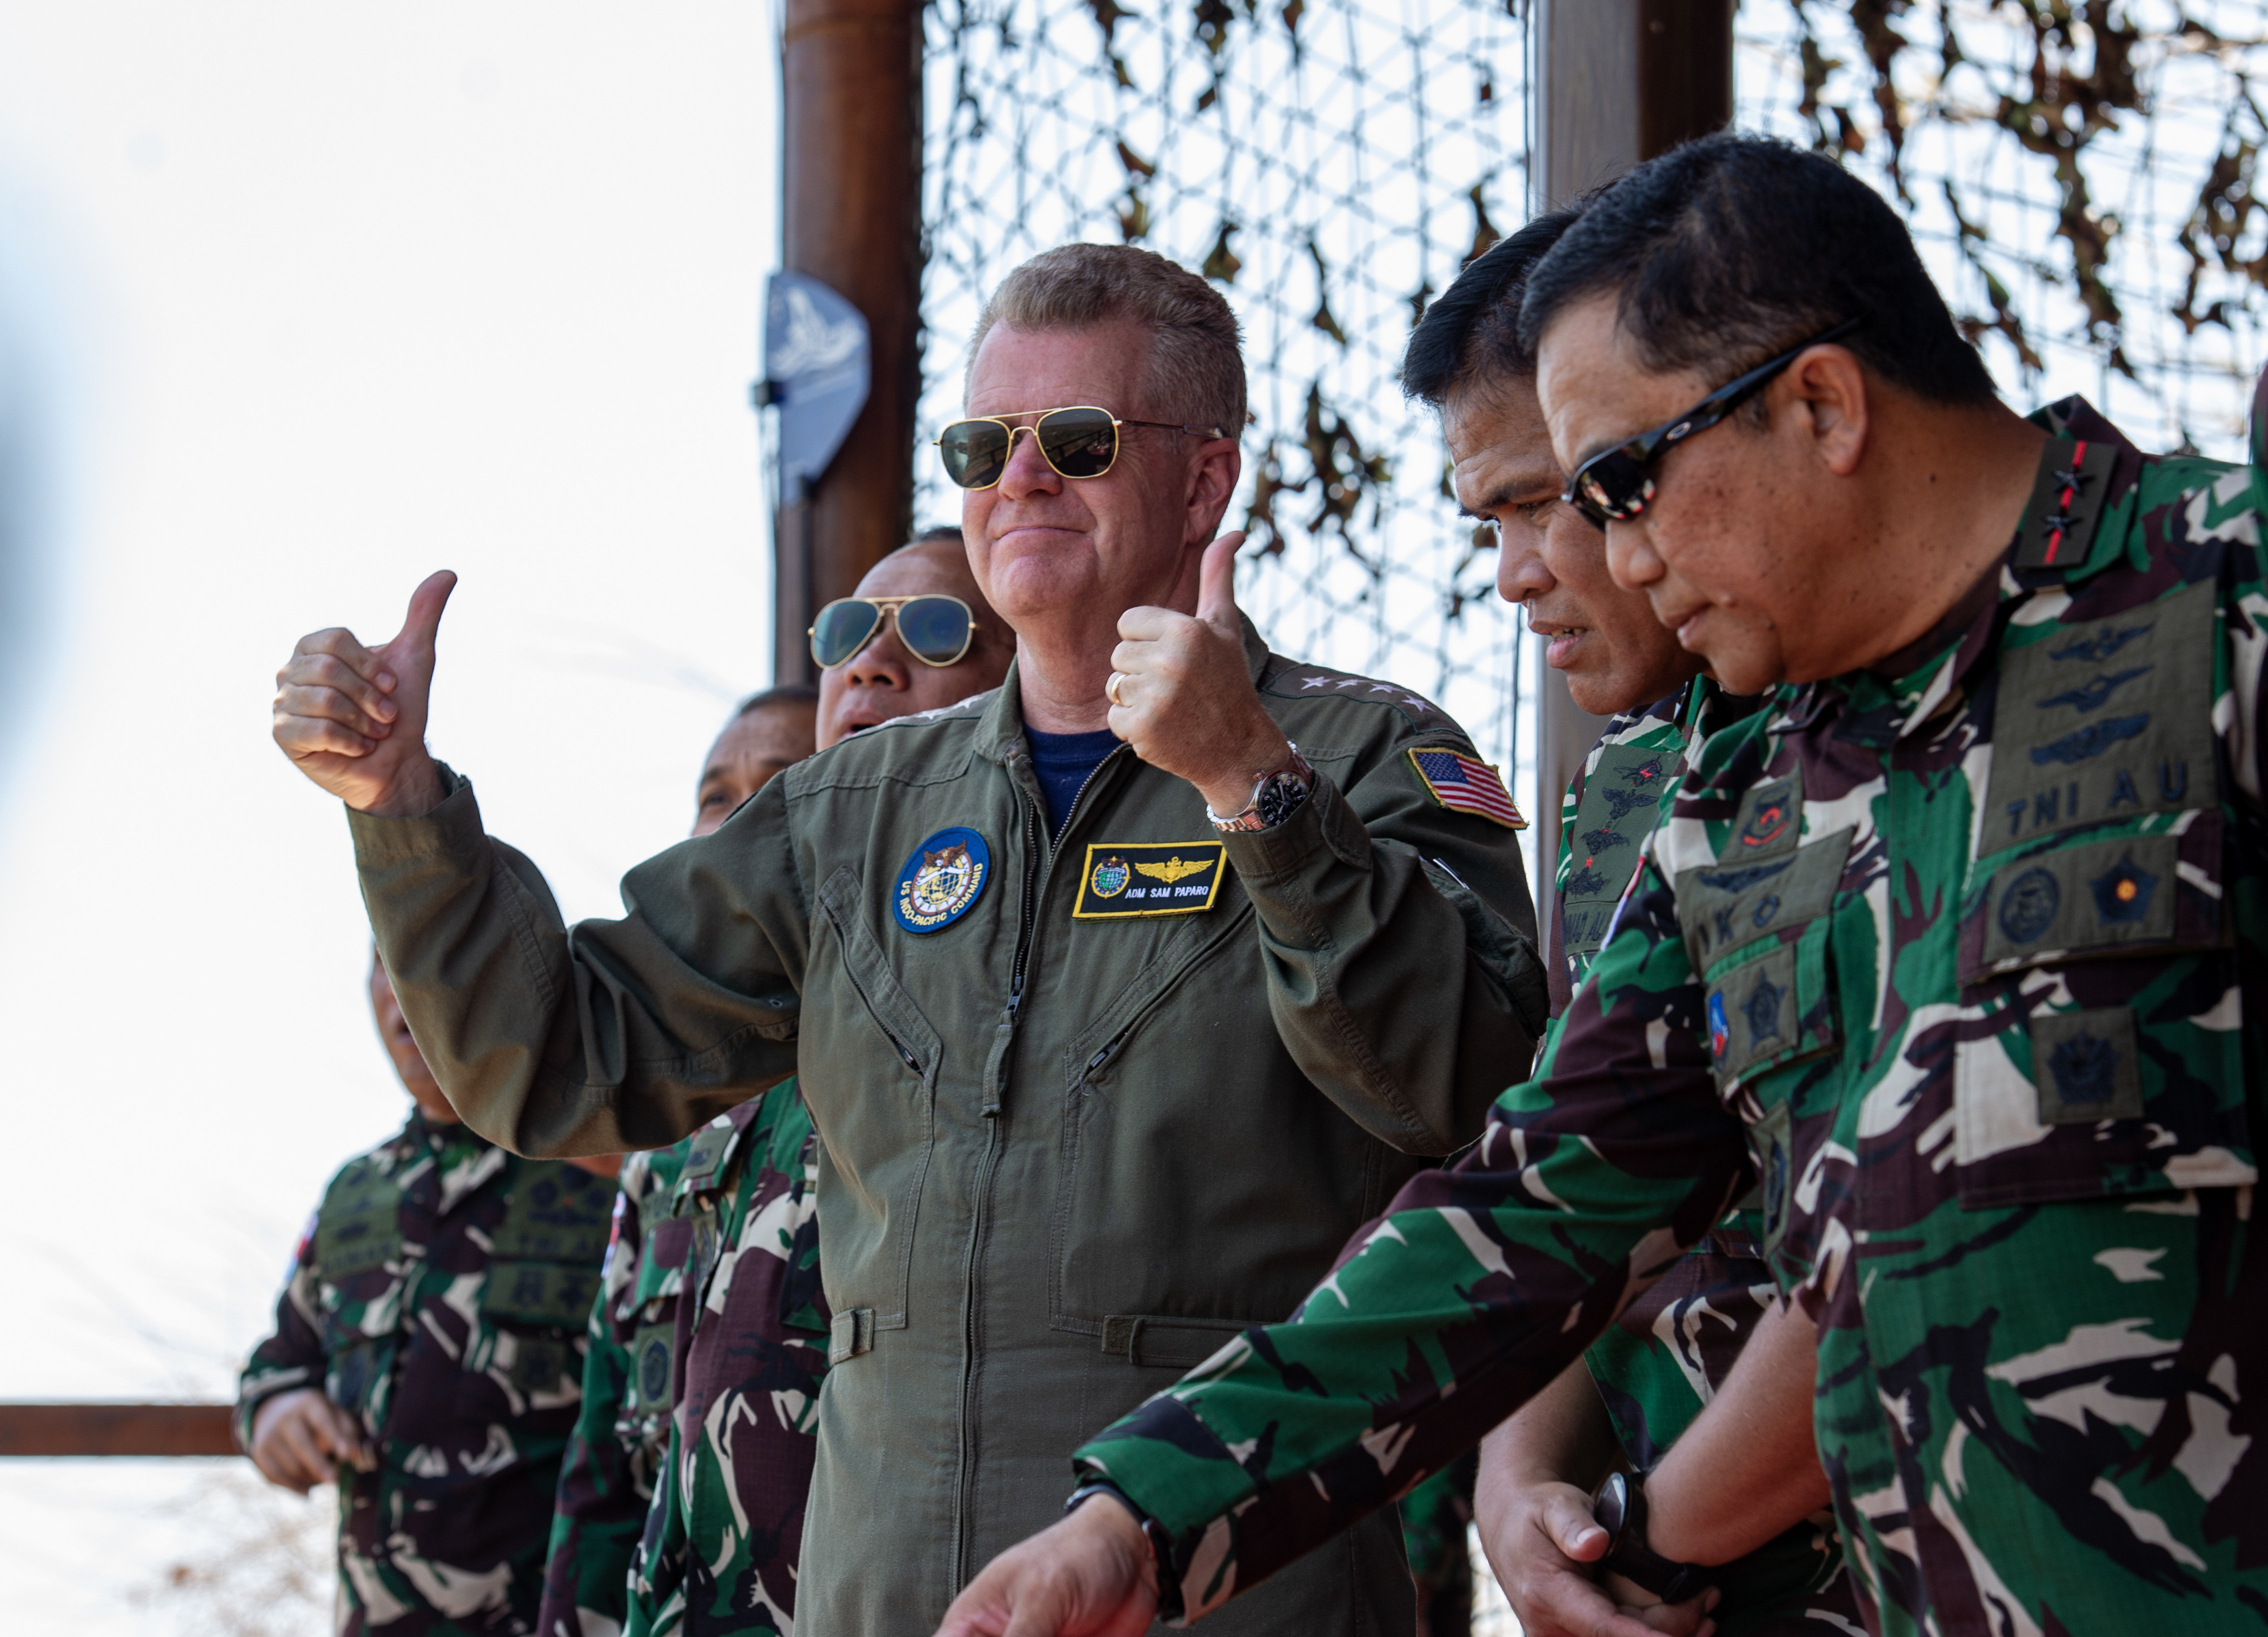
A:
[(1183, 696), (353, 717)]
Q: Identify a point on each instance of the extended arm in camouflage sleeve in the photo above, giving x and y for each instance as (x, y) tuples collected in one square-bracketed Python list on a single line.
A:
[(616, 1036), (293, 1356), (1483, 1283), (1395, 978)]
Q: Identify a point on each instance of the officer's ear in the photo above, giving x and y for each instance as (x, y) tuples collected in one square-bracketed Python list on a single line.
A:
[(1830, 393)]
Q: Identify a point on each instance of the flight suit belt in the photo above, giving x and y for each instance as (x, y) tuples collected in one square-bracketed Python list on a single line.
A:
[(1177, 1343), (1138, 1339)]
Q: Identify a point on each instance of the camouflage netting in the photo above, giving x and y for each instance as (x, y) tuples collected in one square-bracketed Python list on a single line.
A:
[(1329, 167), (2080, 175)]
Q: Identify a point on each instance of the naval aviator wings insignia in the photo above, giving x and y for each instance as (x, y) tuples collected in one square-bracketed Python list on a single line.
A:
[(1130, 878)]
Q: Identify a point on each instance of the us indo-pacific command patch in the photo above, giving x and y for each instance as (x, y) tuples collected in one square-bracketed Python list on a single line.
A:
[(942, 880), (1126, 878)]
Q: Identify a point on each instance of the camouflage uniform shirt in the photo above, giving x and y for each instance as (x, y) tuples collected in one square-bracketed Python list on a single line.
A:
[(750, 1345), (440, 1296), (621, 1435), (1962, 957), (1670, 1351)]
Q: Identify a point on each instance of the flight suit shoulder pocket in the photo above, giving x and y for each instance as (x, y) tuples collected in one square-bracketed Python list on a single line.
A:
[(917, 1045)]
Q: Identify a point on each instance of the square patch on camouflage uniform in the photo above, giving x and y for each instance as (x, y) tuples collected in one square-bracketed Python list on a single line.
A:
[(2112, 719), (2081, 900), (2084, 1066), (1725, 907), (1769, 821), (1621, 801)]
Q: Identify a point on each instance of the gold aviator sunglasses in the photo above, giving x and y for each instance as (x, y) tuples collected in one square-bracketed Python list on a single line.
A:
[(935, 629), (1078, 442)]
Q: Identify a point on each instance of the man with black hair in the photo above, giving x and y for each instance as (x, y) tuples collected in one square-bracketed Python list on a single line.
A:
[(1959, 948), (1680, 1356)]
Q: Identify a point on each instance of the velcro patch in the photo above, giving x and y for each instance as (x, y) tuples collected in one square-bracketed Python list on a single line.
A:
[(2109, 719), (1464, 784), (1769, 821), (1622, 799), (2085, 1065), (1722, 907), (1129, 878)]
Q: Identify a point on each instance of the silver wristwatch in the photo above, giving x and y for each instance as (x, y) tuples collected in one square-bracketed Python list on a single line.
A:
[(1275, 799)]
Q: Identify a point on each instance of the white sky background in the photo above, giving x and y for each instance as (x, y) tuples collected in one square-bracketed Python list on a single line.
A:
[(333, 296)]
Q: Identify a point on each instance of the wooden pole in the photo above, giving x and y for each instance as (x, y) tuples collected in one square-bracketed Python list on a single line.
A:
[(1618, 81), (850, 148), (115, 1429)]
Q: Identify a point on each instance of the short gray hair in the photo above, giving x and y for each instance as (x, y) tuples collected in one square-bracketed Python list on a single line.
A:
[(1196, 358)]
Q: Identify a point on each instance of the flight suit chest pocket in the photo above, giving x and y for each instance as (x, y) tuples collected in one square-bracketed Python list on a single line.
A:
[(872, 1093), (1757, 929)]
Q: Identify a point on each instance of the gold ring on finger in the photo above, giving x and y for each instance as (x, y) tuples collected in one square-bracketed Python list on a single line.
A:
[(1111, 689)]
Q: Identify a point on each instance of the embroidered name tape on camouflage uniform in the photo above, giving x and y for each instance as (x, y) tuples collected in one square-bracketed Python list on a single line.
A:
[(1122, 879), (1615, 818)]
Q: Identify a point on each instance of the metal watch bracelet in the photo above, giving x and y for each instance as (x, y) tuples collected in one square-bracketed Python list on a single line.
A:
[(1277, 795)]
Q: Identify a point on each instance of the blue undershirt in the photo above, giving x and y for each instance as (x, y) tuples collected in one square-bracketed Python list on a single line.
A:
[(1064, 761)]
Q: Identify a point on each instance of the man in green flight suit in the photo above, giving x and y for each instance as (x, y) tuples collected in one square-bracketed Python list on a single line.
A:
[(1956, 948), (717, 1399), (427, 1353), (1712, 1332), (1021, 949)]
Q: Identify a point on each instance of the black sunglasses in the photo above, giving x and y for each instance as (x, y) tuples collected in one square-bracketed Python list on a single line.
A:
[(1614, 485), (936, 630), (1081, 442)]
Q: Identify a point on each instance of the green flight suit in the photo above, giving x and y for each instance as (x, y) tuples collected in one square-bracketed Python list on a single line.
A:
[(1090, 1105)]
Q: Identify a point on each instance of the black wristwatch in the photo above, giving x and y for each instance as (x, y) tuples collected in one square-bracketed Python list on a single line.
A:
[(1620, 1508)]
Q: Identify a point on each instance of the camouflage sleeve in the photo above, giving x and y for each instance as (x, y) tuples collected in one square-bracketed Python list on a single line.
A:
[(1485, 1280), (599, 1511), (293, 1356)]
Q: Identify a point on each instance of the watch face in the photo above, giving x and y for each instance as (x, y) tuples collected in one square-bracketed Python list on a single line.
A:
[(1612, 1508)]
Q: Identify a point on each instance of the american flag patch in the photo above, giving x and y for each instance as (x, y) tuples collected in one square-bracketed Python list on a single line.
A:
[(1463, 784)]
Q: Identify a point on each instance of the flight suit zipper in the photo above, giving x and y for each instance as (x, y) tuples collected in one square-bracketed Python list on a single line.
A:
[(1037, 873)]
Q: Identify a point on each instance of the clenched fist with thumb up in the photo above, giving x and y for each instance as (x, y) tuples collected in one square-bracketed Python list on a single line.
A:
[(353, 718), (1183, 696)]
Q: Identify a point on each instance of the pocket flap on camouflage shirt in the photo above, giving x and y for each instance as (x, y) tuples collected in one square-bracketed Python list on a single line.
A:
[(1772, 1009), (1725, 907)]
